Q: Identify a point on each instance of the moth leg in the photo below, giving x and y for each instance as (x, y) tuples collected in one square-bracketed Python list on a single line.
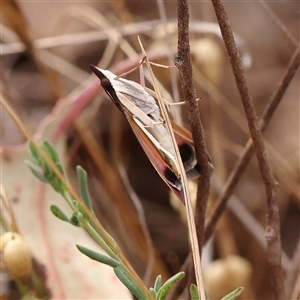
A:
[(181, 103), (133, 69), (167, 103), (161, 66)]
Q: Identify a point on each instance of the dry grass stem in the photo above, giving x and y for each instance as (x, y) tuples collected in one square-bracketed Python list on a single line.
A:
[(185, 188), (273, 224), (247, 152), (183, 63)]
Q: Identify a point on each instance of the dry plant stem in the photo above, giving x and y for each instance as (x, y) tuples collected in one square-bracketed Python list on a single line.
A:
[(173, 75), (185, 189), (6, 204), (273, 226), (243, 161), (183, 63), (248, 150)]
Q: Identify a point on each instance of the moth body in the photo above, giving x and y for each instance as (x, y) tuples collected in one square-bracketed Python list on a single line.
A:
[(144, 116)]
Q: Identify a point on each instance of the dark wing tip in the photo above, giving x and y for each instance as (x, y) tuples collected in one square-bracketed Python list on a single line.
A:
[(97, 72)]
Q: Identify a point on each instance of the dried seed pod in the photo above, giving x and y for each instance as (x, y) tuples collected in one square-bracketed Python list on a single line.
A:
[(7, 237), (17, 258)]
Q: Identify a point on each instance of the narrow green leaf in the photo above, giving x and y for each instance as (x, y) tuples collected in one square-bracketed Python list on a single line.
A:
[(168, 284), (56, 184), (34, 154), (36, 173), (83, 186), (194, 292), (59, 214), (152, 292), (135, 290), (99, 257), (234, 294), (158, 283), (50, 150)]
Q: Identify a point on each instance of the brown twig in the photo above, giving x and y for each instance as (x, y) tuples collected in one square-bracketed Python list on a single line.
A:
[(248, 150), (183, 63), (272, 222)]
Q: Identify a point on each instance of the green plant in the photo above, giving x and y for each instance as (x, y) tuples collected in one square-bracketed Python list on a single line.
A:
[(46, 166)]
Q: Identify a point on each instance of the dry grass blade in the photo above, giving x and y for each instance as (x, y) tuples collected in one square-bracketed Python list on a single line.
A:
[(185, 189), (184, 65), (16, 20), (174, 83), (6, 206), (13, 15)]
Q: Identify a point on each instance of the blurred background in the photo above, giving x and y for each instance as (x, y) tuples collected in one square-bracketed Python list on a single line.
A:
[(46, 49)]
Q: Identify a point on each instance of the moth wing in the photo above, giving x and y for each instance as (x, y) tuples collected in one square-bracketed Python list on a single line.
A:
[(135, 110), (155, 158), (186, 148)]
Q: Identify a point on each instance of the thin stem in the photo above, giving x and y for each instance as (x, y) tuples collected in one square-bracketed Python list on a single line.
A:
[(95, 235), (185, 191), (248, 149), (272, 222), (183, 63)]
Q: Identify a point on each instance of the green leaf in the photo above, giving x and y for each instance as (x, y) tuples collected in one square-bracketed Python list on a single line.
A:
[(168, 284), (157, 283), (152, 292), (194, 292), (35, 156), (83, 186), (74, 220), (36, 173), (234, 294), (99, 257), (50, 150), (46, 174), (56, 184), (135, 290), (59, 214)]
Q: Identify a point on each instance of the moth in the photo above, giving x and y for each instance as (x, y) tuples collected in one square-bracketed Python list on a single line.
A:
[(144, 117)]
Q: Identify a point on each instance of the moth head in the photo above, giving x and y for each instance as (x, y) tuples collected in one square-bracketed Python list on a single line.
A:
[(105, 82)]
